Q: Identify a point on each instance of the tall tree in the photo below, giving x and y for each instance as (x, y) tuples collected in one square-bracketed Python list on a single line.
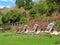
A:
[(49, 6), (19, 3), (24, 3)]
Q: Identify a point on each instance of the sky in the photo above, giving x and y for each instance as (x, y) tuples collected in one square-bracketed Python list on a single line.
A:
[(8, 3)]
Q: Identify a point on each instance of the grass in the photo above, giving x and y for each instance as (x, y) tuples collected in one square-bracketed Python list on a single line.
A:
[(9, 38)]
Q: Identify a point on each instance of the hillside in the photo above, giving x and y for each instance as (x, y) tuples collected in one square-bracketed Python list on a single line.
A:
[(42, 13), (42, 20)]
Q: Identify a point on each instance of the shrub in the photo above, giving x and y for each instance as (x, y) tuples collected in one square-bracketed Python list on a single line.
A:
[(32, 14), (57, 25), (23, 20), (6, 27)]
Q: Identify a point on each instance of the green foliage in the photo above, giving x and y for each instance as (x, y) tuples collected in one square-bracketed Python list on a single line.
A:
[(5, 18), (47, 6), (36, 9), (23, 20), (20, 3), (32, 13), (54, 4), (27, 4), (15, 16), (6, 27), (41, 8), (58, 9), (11, 17), (57, 25)]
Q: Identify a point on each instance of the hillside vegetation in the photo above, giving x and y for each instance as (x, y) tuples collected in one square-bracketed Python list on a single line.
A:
[(44, 11)]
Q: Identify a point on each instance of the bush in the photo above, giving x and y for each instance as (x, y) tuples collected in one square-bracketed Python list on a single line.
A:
[(12, 17), (6, 27), (32, 14), (27, 4), (57, 25), (24, 21), (5, 18), (32, 11)]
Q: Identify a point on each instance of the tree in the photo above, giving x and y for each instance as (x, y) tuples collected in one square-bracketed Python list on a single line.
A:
[(12, 17), (27, 4), (48, 6), (33, 13), (5, 18), (41, 7), (54, 4), (19, 3)]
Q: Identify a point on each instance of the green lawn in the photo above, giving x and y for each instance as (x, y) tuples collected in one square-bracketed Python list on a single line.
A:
[(9, 38)]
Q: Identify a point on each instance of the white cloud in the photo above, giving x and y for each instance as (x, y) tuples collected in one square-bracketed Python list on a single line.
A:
[(8, 0), (8, 6), (1, 6)]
